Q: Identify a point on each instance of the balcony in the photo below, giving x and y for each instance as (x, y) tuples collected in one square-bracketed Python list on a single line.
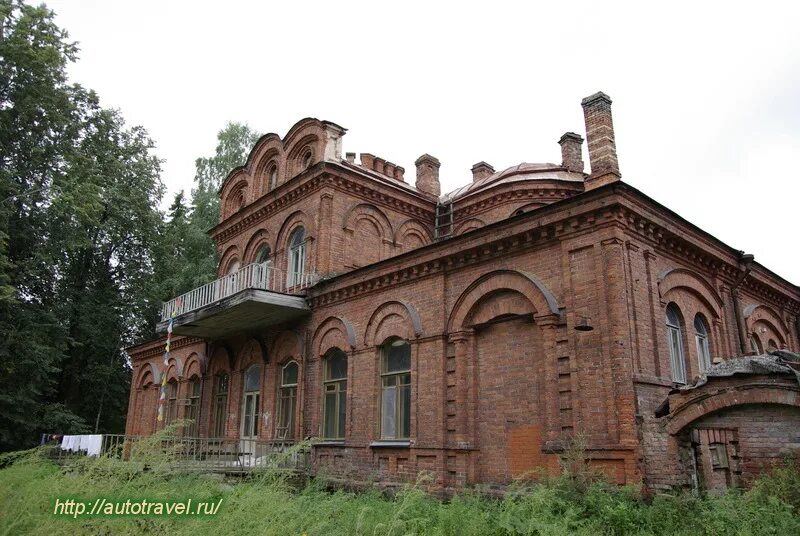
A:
[(255, 296)]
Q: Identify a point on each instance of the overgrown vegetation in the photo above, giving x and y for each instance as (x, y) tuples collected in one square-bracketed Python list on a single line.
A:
[(574, 502)]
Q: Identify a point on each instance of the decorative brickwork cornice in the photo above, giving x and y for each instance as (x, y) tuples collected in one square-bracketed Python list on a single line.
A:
[(491, 242), (304, 185), (156, 347), (630, 211), (671, 238)]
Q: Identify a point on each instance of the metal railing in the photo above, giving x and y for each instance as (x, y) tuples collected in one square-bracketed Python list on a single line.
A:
[(261, 276), (195, 453)]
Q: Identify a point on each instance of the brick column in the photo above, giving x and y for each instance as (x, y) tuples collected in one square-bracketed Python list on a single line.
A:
[(621, 419), (465, 389)]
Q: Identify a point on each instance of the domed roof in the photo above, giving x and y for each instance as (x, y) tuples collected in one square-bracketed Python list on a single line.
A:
[(519, 173)]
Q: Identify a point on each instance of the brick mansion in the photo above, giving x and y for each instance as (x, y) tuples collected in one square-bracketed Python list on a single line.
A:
[(475, 334)]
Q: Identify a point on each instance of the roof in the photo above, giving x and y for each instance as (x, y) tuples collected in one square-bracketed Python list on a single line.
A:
[(776, 362), (521, 172)]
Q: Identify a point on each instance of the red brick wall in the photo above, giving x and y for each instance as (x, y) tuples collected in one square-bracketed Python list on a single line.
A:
[(492, 396)]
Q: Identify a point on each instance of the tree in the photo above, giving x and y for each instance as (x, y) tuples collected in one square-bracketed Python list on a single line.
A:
[(78, 227), (189, 257)]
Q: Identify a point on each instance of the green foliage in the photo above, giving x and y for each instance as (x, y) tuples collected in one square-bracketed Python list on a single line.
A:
[(188, 258), (265, 503), (79, 192)]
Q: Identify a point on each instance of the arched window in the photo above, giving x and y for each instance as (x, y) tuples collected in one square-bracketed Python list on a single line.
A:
[(772, 345), (193, 407), (287, 400), (297, 254), (273, 176), (396, 390), (701, 337), (675, 343), (251, 403), (262, 255), (233, 267), (307, 158), (220, 404), (230, 284), (172, 402), (755, 344), (334, 403)]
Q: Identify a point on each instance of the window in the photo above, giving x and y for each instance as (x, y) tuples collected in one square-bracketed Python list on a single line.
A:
[(297, 253), (395, 401), (307, 157), (273, 177), (220, 404), (772, 345), (193, 407), (334, 403), (251, 403), (287, 399), (263, 255), (675, 344), (719, 455), (755, 344), (172, 402), (701, 337)]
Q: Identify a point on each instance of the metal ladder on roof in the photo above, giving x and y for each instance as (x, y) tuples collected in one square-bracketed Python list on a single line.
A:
[(444, 221)]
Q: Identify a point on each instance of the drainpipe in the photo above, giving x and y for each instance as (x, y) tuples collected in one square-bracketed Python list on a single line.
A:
[(203, 381), (746, 261)]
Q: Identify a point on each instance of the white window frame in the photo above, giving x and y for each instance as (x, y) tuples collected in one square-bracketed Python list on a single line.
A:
[(701, 338), (297, 261), (677, 358)]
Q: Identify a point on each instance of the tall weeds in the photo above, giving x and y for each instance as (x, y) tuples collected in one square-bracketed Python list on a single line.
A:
[(576, 501)]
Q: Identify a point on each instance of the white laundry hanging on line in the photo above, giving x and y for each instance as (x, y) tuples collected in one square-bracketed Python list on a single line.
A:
[(92, 444)]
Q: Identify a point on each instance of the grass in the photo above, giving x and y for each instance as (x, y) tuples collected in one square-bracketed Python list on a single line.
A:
[(575, 502)]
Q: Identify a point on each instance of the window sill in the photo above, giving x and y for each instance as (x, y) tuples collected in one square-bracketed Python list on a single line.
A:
[(391, 443), (329, 443)]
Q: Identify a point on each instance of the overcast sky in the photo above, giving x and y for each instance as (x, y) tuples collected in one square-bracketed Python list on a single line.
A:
[(706, 95)]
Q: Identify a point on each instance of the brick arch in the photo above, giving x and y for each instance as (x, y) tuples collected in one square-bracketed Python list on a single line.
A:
[(271, 151), (370, 212), (147, 369), (288, 344), (222, 360), (295, 219), (251, 352), (311, 140), (235, 196), (412, 228), (393, 318), (527, 208), (756, 313), (296, 138), (174, 369), (695, 409), (543, 301), (230, 255), (195, 365), (682, 279), (499, 304), (469, 225), (333, 331), (259, 238)]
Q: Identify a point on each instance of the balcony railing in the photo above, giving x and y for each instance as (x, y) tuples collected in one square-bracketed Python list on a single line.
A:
[(259, 276), (193, 453)]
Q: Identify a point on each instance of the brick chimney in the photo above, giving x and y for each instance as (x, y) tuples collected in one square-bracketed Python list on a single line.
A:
[(572, 152), (481, 170), (428, 175), (600, 133)]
